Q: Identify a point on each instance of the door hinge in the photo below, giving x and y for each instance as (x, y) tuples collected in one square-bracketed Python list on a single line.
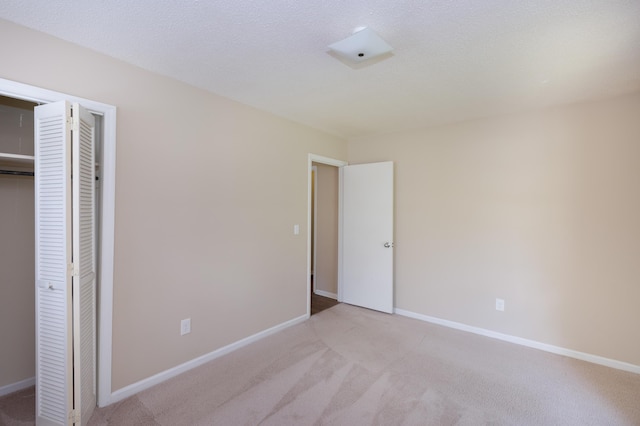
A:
[(74, 270), (74, 122), (74, 416)]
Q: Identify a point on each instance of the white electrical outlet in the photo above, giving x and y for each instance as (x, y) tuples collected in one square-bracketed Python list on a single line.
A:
[(296, 229), (499, 304), (185, 326)]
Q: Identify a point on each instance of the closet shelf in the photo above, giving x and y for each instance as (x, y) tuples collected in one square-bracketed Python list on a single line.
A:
[(17, 158)]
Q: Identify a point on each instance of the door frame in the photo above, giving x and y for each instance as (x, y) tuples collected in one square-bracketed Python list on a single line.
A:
[(27, 92), (313, 158), (314, 230)]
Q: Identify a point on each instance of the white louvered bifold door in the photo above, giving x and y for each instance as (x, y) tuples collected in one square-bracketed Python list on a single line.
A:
[(84, 260), (65, 265), (54, 356)]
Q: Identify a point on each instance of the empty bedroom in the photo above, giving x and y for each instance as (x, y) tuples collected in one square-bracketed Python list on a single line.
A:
[(309, 213)]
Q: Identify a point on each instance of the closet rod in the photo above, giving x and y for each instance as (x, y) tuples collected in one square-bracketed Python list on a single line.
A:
[(15, 173)]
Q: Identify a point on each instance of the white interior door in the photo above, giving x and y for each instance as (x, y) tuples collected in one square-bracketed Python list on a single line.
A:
[(65, 259), (367, 236)]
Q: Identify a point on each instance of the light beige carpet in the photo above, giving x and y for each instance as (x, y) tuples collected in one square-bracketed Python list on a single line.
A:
[(352, 366), (18, 408)]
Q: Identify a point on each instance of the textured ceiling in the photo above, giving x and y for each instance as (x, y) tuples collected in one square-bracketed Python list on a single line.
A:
[(452, 60)]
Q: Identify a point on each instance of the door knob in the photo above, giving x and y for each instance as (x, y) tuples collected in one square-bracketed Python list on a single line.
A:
[(388, 244)]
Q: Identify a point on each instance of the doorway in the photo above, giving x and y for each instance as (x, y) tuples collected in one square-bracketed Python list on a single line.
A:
[(365, 233), (324, 227), (324, 245)]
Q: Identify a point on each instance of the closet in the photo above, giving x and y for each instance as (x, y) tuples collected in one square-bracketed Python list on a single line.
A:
[(17, 293), (49, 224)]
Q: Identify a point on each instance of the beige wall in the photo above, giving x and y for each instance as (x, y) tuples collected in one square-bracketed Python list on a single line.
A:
[(208, 191), (326, 269), (17, 282), (542, 210)]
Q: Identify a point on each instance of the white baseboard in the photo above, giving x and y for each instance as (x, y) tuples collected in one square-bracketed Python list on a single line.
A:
[(134, 388), (15, 387), (326, 294), (595, 359)]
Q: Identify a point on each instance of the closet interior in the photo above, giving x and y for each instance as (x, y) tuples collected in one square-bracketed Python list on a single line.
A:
[(17, 244)]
